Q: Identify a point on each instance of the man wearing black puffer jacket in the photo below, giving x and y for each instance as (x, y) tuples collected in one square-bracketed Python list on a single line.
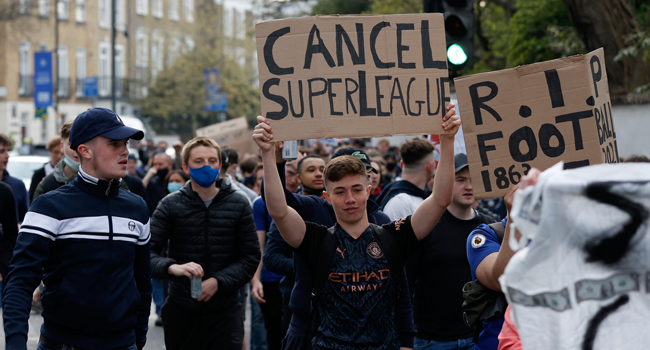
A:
[(211, 234)]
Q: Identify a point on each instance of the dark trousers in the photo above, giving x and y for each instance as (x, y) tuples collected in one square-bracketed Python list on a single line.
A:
[(187, 330), (272, 312)]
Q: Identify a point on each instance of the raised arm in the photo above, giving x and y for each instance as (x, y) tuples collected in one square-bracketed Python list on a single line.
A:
[(426, 217), (291, 225)]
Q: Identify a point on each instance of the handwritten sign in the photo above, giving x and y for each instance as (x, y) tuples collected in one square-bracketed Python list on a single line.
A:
[(353, 76), (536, 116)]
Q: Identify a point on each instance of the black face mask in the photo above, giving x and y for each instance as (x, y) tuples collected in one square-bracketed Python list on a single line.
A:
[(162, 173), (391, 166), (311, 191)]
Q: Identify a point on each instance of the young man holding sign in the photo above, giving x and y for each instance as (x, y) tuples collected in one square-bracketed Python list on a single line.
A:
[(357, 302)]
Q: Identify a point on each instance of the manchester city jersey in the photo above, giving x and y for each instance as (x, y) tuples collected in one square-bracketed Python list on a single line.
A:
[(357, 304)]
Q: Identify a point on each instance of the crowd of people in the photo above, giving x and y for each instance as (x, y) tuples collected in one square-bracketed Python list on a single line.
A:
[(347, 246)]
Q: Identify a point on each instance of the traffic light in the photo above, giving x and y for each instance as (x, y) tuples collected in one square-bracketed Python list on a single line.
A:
[(459, 29)]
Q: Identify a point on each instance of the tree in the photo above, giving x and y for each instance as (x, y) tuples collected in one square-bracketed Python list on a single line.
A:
[(609, 24)]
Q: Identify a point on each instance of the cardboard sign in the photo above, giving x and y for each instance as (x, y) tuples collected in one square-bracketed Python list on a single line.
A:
[(353, 76), (536, 116)]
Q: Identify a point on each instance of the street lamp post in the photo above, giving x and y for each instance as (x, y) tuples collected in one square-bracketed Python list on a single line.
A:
[(113, 34)]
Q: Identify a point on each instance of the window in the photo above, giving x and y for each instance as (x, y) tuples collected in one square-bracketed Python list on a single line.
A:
[(81, 70), (174, 49), (157, 53), (188, 10), (62, 62), (24, 68), (43, 46), (173, 10), (104, 69), (240, 56), (228, 23), (119, 70), (23, 7), (157, 8), (62, 9), (141, 63), (44, 8), (80, 11), (142, 7), (120, 15), (189, 44), (104, 14)]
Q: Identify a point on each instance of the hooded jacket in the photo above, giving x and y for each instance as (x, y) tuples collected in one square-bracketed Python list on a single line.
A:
[(221, 238), (397, 187)]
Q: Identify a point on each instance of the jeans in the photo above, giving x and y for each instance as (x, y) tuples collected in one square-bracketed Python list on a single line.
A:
[(460, 344), (66, 347), (157, 294), (258, 330)]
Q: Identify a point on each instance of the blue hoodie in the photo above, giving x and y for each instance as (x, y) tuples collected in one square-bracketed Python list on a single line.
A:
[(89, 242)]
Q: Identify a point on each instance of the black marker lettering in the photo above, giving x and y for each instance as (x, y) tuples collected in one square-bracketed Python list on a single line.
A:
[(341, 35), (397, 97), (483, 149), (266, 91), (317, 93), (545, 133), (408, 100), (348, 95), (574, 118), (523, 134), (379, 95), (268, 53), (427, 54), (302, 101), (401, 48), (554, 88), (429, 98), (316, 48), (596, 76), (331, 94), (363, 97), (373, 46), (478, 102)]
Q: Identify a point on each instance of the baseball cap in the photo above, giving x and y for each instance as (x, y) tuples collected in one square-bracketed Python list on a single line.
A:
[(460, 162), (100, 122), (356, 153)]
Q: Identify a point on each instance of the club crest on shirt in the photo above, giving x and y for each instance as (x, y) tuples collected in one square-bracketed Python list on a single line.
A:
[(374, 250), (478, 240), (131, 226)]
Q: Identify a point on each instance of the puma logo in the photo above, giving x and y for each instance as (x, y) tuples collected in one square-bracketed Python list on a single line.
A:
[(399, 223), (339, 250)]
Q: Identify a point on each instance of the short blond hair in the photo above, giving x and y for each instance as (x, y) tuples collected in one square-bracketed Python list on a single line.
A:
[(196, 142)]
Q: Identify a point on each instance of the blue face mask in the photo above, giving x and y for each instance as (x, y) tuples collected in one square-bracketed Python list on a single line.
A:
[(174, 186), (204, 176), (71, 163)]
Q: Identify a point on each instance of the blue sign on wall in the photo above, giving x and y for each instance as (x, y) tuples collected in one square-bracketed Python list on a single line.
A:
[(43, 79), (90, 87), (215, 100)]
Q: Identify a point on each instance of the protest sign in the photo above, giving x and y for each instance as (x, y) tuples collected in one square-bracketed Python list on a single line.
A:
[(536, 116), (353, 76), (233, 133)]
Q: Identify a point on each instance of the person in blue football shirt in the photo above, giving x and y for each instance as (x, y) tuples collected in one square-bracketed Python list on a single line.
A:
[(487, 259), (357, 304)]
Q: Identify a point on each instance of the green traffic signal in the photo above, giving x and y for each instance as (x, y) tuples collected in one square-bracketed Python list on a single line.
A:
[(456, 55)]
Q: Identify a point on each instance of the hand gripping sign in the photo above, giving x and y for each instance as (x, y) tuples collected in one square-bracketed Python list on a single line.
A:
[(353, 76), (536, 116)]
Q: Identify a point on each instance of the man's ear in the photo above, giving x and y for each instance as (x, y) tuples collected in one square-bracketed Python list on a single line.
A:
[(85, 151), (401, 164), (186, 169), (368, 189), (327, 197), (430, 166)]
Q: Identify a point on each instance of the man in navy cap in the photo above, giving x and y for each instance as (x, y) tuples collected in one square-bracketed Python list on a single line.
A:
[(89, 241)]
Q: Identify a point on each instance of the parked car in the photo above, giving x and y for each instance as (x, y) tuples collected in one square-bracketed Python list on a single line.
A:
[(23, 167)]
